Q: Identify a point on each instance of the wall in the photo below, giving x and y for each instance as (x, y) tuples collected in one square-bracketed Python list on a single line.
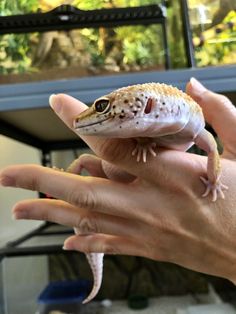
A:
[(13, 152), (22, 278)]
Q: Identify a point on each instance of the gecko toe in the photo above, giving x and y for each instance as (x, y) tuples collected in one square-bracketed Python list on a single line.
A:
[(216, 189), (141, 150)]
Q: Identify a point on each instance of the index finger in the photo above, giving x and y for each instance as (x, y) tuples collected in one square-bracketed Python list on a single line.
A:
[(99, 194)]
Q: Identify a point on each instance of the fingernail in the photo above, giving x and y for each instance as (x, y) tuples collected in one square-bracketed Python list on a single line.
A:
[(68, 245), (54, 103), (197, 86), (67, 248)]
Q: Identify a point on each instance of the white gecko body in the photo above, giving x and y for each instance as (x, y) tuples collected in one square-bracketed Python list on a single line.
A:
[(154, 115), (149, 110)]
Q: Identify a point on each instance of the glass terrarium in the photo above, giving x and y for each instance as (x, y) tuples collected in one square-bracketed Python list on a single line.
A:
[(75, 53), (213, 25), (85, 52), (80, 52)]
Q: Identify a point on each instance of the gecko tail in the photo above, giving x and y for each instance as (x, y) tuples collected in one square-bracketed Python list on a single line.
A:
[(96, 263)]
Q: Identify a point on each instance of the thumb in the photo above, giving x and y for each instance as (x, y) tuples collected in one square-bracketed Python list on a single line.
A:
[(218, 111)]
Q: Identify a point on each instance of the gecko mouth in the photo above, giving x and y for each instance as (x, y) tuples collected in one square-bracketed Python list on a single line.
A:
[(77, 127)]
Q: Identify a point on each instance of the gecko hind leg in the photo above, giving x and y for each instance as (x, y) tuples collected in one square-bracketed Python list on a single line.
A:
[(143, 147), (206, 141)]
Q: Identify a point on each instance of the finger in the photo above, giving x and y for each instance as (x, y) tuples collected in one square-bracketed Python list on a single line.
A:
[(91, 163), (110, 196), (100, 243), (66, 107), (98, 167), (101, 194), (218, 109), (85, 221)]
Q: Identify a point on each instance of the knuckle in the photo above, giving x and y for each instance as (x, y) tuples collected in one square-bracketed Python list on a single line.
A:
[(46, 216), (224, 100), (109, 248), (77, 165), (87, 224), (32, 178), (219, 99), (98, 244), (154, 251), (84, 156), (82, 197), (43, 214)]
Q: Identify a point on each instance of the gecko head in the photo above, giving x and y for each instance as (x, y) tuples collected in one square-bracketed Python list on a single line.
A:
[(118, 114)]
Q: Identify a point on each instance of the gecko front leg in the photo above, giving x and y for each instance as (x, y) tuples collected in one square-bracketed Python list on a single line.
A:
[(206, 141)]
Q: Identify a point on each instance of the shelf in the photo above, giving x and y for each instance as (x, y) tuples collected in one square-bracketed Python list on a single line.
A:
[(46, 239), (67, 17)]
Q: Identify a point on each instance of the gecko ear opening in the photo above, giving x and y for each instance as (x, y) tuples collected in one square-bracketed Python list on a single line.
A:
[(149, 105), (102, 105)]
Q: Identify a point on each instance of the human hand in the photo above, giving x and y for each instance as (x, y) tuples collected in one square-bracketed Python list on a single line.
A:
[(160, 215)]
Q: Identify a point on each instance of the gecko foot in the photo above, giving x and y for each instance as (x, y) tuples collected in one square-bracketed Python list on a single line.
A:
[(216, 189), (142, 149)]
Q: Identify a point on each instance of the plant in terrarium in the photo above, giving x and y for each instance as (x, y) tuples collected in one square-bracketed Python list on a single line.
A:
[(217, 44), (88, 51)]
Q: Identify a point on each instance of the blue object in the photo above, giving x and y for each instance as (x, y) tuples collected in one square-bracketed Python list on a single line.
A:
[(65, 292)]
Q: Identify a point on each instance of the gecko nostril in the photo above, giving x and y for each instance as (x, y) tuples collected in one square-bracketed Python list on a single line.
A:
[(148, 107), (76, 121)]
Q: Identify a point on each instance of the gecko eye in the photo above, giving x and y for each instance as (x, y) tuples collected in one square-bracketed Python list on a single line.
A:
[(102, 105)]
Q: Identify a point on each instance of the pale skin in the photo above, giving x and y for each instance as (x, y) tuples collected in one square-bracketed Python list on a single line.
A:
[(158, 212)]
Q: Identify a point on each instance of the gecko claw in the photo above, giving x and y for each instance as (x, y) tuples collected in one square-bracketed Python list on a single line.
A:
[(216, 189), (151, 149)]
